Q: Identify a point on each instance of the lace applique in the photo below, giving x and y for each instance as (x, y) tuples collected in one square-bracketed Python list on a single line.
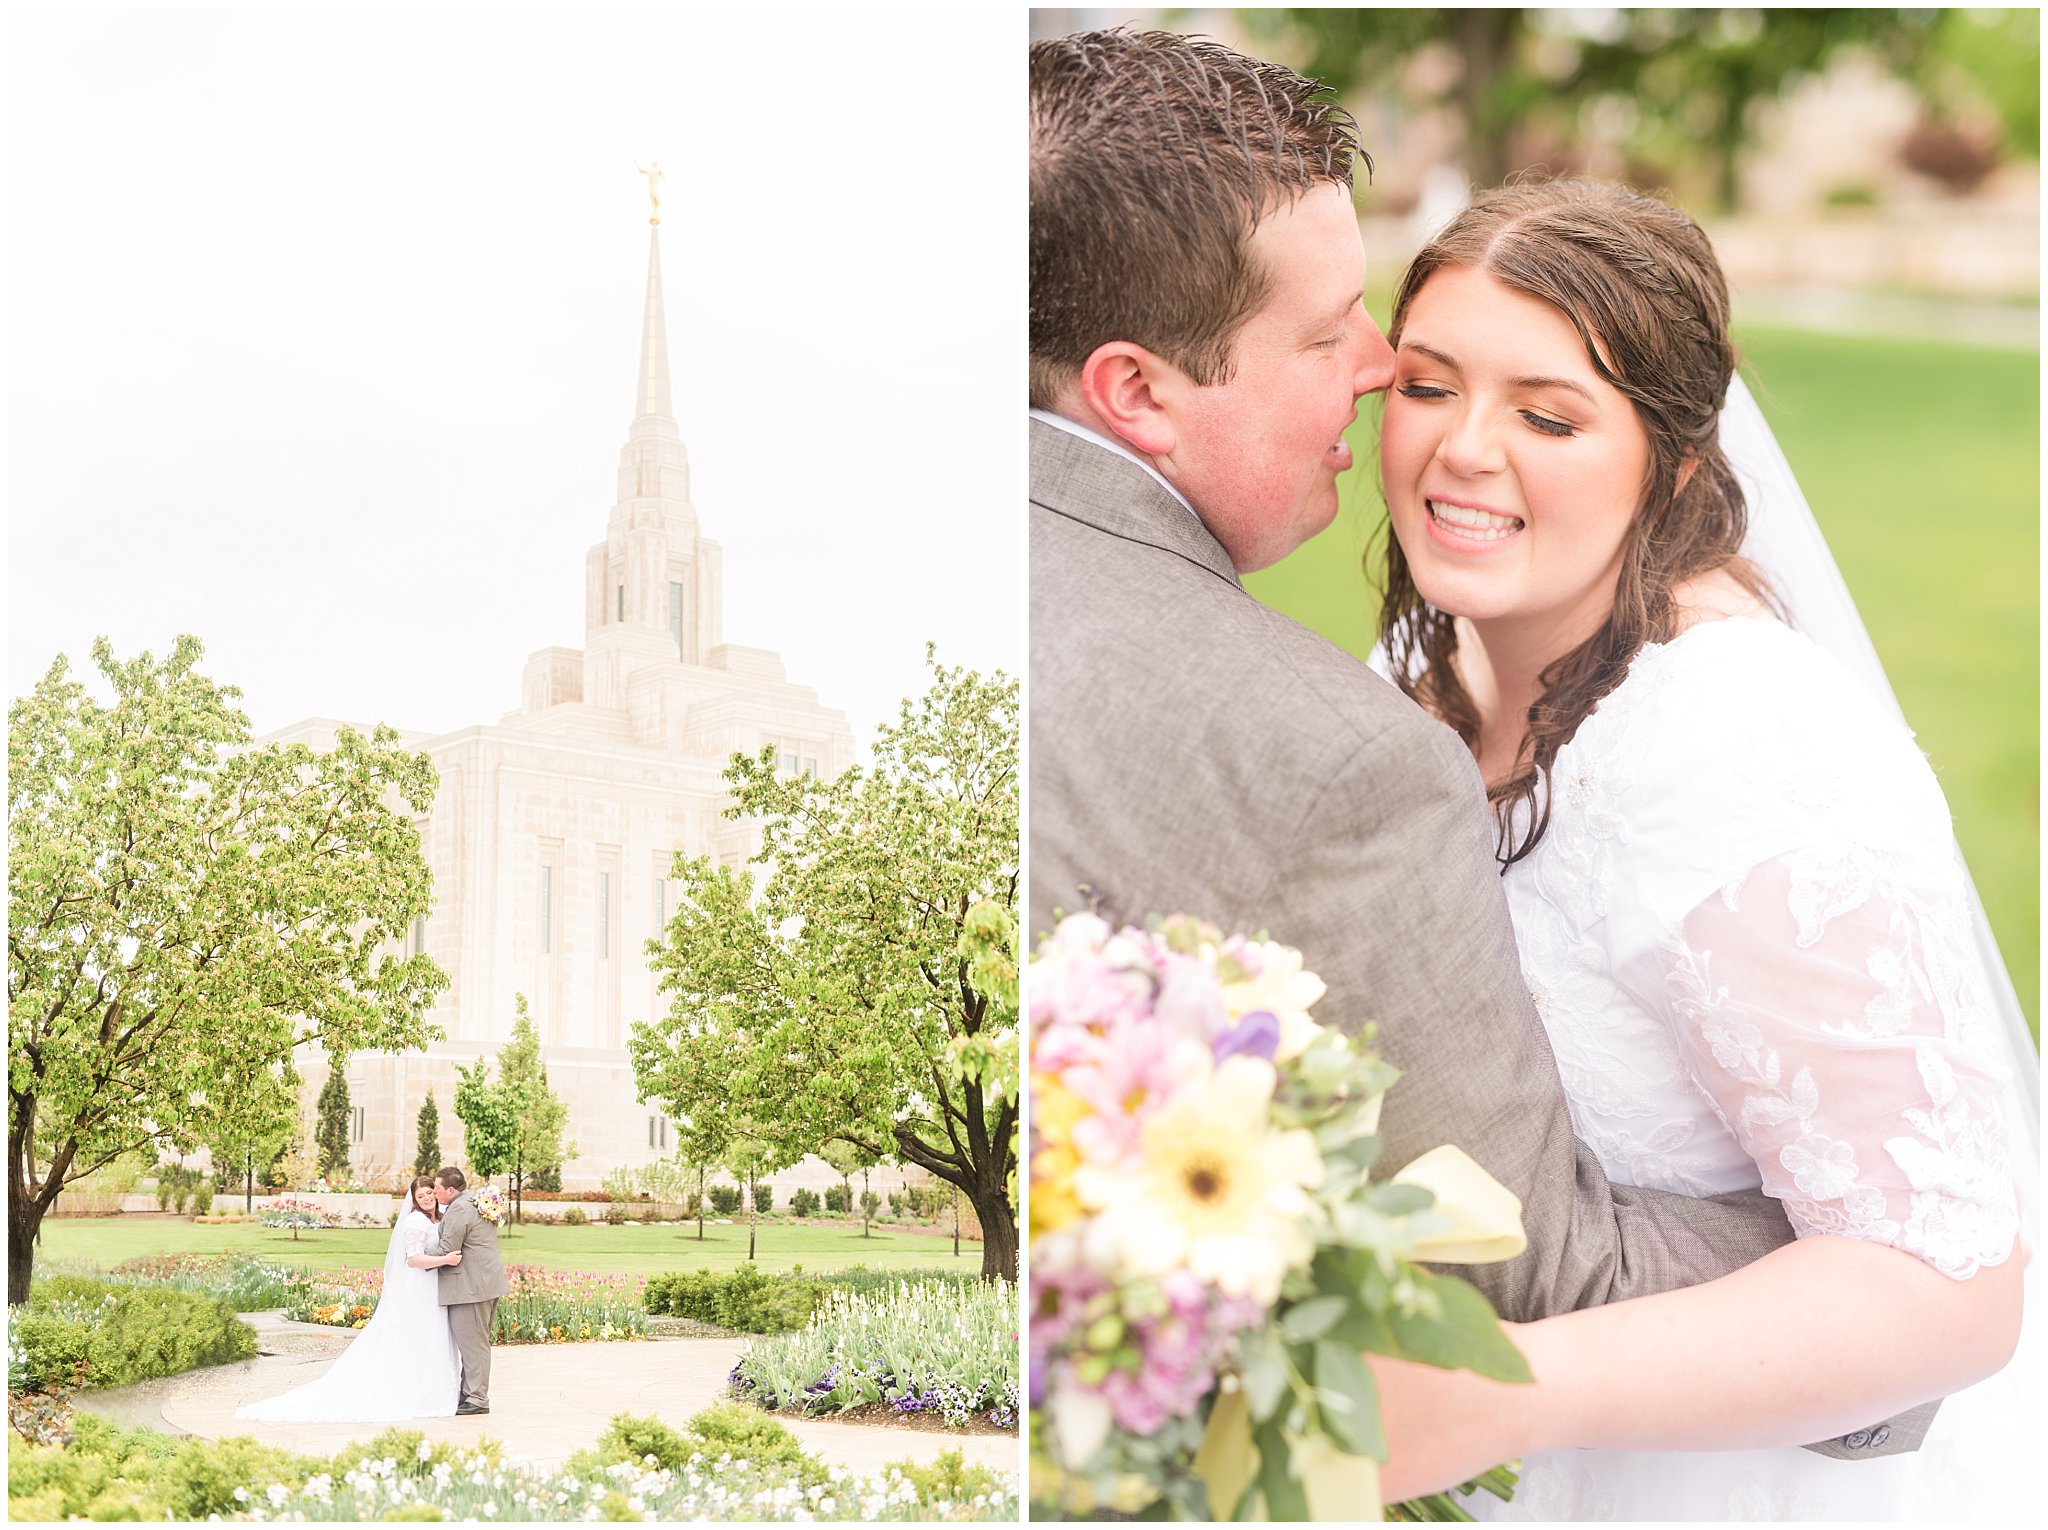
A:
[(1752, 942)]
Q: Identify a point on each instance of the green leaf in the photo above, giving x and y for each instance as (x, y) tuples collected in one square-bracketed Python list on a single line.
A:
[(1311, 1319), (1351, 1400), (1284, 1497), (1394, 1200), (1466, 1336), (1264, 1373)]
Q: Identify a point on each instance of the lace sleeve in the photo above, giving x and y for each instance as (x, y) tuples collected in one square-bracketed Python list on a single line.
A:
[(418, 1233), (1827, 1004)]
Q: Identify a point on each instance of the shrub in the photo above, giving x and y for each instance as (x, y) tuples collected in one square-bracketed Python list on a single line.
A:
[(895, 1203), (804, 1203), (725, 1199), (870, 1203), (573, 1217), (745, 1300), (764, 1196), (835, 1199), (693, 1204), (202, 1198), (110, 1473), (635, 1439), (77, 1332)]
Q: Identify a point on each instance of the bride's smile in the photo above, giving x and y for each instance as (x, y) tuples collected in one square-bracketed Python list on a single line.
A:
[(1512, 468)]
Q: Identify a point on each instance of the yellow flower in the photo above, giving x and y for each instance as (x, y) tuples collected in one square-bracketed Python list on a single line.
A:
[(1217, 1191), (1053, 1114)]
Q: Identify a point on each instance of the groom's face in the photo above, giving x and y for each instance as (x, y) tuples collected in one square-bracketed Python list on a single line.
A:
[(445, 1193), (1258, 456)]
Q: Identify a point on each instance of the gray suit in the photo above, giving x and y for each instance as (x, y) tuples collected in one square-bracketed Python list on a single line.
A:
[(1192, 751), (470, 1291)]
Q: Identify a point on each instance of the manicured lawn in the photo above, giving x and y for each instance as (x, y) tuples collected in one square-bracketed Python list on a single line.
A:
[(1922, 461), (104, 1242)]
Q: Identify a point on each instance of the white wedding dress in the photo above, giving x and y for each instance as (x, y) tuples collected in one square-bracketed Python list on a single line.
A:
[(1749, 936), (402, 1364)]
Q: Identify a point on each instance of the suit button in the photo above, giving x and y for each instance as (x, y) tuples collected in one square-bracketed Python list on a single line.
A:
[(1857, 1440), (1880, 1434)]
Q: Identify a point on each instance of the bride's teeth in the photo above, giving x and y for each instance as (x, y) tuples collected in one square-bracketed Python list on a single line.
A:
[(1478, 525)]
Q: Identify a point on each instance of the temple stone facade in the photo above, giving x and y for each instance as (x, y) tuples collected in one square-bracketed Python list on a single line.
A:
[(555, 828)]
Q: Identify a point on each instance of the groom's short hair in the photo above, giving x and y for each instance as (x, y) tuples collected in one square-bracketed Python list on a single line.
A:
[(1153, 157), (452, 1178)]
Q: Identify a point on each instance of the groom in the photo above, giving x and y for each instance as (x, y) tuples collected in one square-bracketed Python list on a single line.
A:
[(1198, 348), (470, 1290)]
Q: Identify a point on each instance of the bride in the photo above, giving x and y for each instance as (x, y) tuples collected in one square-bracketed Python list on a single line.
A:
[(403, 1364), (1735, 892)]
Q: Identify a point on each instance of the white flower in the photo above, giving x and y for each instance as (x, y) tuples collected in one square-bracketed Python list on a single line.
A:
[(1283, 990), (1216, 1189)]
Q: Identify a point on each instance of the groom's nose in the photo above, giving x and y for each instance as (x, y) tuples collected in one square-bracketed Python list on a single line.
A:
[(1375, 357)]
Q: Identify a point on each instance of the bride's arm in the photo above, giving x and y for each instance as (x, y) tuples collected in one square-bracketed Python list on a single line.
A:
[(1826, 1011), (1817, 1338)]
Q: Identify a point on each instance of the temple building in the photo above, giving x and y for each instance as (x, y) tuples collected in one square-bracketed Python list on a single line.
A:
[(554, 829)]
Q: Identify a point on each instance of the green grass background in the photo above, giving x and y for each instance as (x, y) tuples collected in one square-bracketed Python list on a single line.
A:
[(103, 1242), (1922, 463)]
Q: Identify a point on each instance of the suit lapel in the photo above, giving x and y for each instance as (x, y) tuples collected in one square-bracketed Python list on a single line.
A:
[(1087, 483)]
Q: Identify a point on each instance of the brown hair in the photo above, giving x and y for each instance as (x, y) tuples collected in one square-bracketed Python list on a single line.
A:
[(1639, 282), (1153, 157), (452, 1178), (412, 1195)]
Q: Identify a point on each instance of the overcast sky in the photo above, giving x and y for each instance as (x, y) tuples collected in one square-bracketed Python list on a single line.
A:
[(324, 324)]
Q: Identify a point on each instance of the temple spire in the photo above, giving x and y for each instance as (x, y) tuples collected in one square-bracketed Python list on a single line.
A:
[(653, 340)]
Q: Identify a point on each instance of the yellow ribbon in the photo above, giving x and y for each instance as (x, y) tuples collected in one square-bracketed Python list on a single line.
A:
[(1485, 1217), (1337, 1486), (1486, 1225)]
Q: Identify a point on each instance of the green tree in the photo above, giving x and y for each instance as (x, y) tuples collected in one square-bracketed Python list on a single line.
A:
[(513, 1127), (184, 909), (849, 1159), (332, 1133), (1686, 78), (748, 1155), (261, 1133), (428, 1157), (829, 1007)]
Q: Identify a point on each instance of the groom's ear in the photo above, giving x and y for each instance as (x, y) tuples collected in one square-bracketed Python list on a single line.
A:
[(1130, 389)]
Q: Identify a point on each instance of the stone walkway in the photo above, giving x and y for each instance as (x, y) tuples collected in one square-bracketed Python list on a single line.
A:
[(547, 1400)]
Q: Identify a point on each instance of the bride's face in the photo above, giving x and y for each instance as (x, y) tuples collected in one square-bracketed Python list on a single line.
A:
[(1512, 469), (423, 1199)]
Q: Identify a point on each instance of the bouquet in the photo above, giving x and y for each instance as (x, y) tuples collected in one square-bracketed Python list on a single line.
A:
[(489, 1201), (1209, 1262)]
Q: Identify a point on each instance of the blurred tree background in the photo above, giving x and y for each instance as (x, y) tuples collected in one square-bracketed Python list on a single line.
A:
[(1677, 91)]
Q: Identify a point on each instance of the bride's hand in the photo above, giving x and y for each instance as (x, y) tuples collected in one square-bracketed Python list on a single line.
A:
[(455, 1258), (1443, 1427)]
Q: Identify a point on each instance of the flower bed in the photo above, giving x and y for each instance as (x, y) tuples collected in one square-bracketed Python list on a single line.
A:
[(543, 1306), (286, 1212), (943, 1350), (244, 1283), (714, 1468)]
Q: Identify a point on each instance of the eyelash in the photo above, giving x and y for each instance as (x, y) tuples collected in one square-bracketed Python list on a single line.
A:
[(1556, 429)]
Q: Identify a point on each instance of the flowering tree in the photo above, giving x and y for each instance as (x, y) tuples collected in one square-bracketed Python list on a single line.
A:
[(835, 1001), (185, 909)]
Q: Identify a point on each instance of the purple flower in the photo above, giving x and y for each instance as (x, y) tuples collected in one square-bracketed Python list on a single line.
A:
[(1256, 1035)]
